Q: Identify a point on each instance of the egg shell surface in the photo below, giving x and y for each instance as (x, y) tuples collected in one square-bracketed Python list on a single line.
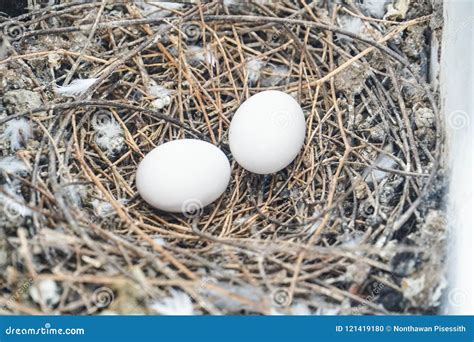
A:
[(267, 132), (183, 175)]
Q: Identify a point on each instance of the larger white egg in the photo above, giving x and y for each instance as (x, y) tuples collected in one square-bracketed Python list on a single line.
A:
[(183, 175), (267, 132)]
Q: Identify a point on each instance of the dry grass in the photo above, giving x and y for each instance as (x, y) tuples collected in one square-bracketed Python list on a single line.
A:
[(332, 232)]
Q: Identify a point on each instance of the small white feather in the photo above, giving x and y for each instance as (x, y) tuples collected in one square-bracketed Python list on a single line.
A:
[(74, 193), (163, 9), (277, 74), (17, 132), (158, 91), (254, 70), (385, 161), (352, 24), (109, 137), (250, 292), (161, 103), (4, 48), (76, 87), (351, 240), (374, 8), (103, 208), (12, 165), (179, 304), (46, 290), (196, 54), (162, 95), (13, 204)]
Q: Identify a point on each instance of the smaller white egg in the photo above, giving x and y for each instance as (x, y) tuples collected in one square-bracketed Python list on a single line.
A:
[(183, 175), (267, 132)]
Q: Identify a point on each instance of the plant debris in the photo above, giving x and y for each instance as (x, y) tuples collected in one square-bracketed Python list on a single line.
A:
[(350, 227)]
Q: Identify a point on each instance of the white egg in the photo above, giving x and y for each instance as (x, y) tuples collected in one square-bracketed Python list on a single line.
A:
[(183, 175), (267, 132)]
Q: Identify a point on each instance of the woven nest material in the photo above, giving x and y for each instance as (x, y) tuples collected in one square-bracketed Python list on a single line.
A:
[(353, 225)]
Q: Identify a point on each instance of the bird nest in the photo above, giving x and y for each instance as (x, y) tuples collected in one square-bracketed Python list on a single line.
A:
[(352, 226)]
